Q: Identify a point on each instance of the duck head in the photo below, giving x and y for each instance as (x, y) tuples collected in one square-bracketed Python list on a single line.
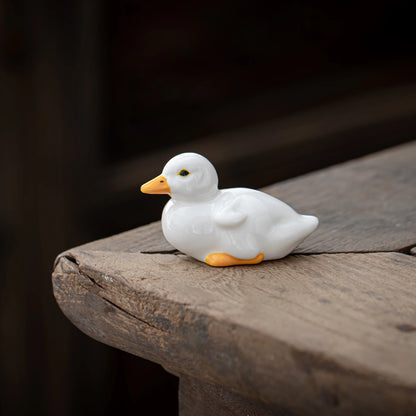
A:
[(187, 177)]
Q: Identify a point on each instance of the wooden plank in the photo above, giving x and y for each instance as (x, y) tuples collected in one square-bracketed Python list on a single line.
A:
[(368, 204), (340, 328), (312, 333)]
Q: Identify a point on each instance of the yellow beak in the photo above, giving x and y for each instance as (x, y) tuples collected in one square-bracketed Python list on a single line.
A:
[(158, 185)]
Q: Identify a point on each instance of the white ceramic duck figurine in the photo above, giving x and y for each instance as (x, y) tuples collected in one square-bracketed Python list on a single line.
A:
[(224, 227)]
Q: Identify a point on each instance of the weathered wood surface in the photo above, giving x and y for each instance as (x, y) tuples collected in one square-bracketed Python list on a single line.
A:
[(292, 333), (314, 334)]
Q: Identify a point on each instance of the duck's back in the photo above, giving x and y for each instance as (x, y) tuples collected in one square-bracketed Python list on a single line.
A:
[(270, 226)]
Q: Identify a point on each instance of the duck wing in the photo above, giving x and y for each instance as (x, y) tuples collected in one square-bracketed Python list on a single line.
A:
[(230, 215)]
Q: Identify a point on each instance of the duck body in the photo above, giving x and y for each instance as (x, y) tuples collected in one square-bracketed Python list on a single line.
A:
[(239, 221), (235, 225)]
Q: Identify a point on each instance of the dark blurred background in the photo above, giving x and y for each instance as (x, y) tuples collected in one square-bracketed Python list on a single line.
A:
[(95, 96)]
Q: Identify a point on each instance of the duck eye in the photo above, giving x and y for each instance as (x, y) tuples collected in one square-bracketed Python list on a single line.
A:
[(183, 172)]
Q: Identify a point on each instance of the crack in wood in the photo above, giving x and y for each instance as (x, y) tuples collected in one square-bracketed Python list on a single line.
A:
[(132, 315), (90, 278), (70, 258), (82, 273), (73, 260), (410, 250), (405, 250), (64, 256), (173, 251)]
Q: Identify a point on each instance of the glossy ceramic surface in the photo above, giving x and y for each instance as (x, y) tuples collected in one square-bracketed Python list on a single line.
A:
[(239, 223)]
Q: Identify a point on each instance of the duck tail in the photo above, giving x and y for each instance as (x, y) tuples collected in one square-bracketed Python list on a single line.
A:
[(311, 223)]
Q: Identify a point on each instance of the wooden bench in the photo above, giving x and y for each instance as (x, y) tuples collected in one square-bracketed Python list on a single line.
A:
[(328, 330)]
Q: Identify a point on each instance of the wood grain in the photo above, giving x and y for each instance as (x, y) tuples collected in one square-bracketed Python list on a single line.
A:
[(368, 204), (329, 331)]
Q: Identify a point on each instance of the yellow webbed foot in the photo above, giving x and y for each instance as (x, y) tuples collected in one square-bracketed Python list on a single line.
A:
[(224, 259)]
